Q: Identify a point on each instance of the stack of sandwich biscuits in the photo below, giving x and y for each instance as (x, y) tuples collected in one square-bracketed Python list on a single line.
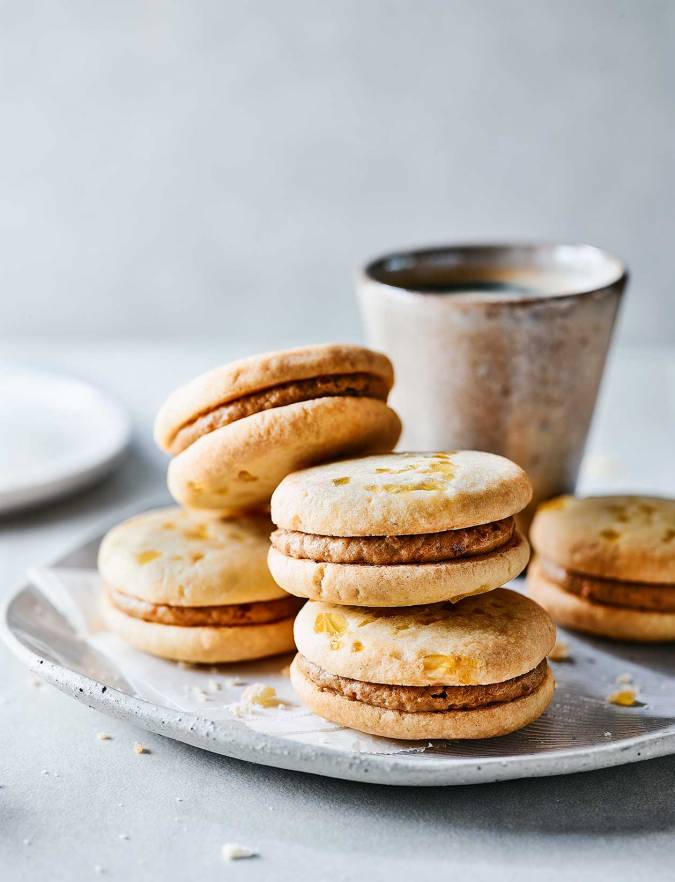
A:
[(405, 635)]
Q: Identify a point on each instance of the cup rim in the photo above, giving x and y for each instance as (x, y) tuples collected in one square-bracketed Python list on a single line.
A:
[(373, 272)]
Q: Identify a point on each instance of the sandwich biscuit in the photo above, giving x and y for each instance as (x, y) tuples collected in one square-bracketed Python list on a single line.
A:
[(194, 589), (476, 669), (400, 529), (236, 431), (606, 565)]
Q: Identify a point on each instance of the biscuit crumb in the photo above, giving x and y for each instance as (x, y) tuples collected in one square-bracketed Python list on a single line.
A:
[(232, 851), (560, 652), (625, 698), (624, 678), (140, 748), (214, 685), (255, 696), (558, 502), (122, 835), (236, 681), (103, 736)]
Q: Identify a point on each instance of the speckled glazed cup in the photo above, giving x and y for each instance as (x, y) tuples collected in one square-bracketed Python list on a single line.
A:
[(498, 348)]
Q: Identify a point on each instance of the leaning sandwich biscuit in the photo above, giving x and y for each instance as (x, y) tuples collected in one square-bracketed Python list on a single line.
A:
[(194, 589), (401, 529), (476, 669), (606, 565), (236, 431)]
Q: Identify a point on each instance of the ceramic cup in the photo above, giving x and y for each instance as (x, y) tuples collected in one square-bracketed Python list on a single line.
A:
[(498, 348)]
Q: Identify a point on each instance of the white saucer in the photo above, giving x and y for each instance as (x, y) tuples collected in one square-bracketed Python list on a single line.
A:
[(58, 434)]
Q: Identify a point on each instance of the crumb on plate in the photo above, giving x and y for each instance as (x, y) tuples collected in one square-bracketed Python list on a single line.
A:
[(625, 698), (232, 851), (560, 652)]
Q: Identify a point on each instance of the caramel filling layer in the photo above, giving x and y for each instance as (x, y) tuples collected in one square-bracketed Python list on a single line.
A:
[(349, 385), (612, 592), (424, 699), (383, 550), (260, 613)]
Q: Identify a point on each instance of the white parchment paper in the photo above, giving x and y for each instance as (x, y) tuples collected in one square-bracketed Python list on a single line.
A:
[(213, 692)]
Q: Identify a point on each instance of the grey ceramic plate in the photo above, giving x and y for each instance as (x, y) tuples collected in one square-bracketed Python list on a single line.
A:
[(580, 731)]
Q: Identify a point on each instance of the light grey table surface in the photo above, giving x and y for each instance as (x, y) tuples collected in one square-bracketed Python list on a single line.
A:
[(73, 807)]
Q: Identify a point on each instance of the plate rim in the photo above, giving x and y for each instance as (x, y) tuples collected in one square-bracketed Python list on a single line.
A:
[(234, 739)]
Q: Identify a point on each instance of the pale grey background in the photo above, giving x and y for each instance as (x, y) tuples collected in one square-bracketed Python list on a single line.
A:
[(220, 168)]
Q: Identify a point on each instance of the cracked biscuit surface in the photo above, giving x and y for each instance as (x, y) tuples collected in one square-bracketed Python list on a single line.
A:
[(401, 494), (181, 558), (485, 639)]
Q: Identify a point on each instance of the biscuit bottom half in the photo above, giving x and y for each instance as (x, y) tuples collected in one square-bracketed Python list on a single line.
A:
[(604, 607), (484, 558), (251, 634), (421, 712)]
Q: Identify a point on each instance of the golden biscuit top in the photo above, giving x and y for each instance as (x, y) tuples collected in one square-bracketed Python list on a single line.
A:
[(401, 494), (182, 558), (631, 538), (484, 639)]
